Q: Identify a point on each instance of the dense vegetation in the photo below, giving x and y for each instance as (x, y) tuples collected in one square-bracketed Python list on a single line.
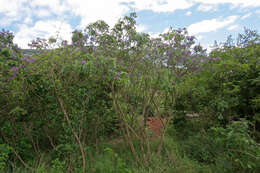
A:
[(83, 107)]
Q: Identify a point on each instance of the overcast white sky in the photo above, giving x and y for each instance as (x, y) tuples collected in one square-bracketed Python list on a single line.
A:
[(208, 20)]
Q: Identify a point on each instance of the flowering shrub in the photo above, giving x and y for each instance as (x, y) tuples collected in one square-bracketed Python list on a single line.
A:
[(67, 97), (9, 56)]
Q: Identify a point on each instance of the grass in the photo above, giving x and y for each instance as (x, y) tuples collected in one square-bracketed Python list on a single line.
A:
[(115, 157)]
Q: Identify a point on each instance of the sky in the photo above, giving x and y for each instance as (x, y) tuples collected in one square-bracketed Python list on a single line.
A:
[(207, 20)]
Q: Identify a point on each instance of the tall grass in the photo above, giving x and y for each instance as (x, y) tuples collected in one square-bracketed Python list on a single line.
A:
[(114, 156)]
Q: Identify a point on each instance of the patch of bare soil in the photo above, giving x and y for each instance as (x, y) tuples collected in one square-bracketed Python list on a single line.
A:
[(156, 125)]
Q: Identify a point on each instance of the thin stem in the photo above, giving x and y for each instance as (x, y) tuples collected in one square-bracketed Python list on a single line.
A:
[(74, 133)]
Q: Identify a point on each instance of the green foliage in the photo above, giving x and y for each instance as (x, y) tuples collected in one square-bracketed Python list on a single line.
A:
[(58, 166), (5, 151), (119, 164), (226, 89), (230, 149), (66, 100), (241, 151)]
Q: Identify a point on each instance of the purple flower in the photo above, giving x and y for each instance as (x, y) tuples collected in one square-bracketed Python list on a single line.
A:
[(26, 58), (21, 66), (83, 62), (190, 38), (210, 58), (118, 75), (187, 52), (64, 42), (179, 30), (31, 60), (183, 46), (14, 69)]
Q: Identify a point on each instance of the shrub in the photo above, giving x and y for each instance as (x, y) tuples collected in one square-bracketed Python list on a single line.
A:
[(230, 149)]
